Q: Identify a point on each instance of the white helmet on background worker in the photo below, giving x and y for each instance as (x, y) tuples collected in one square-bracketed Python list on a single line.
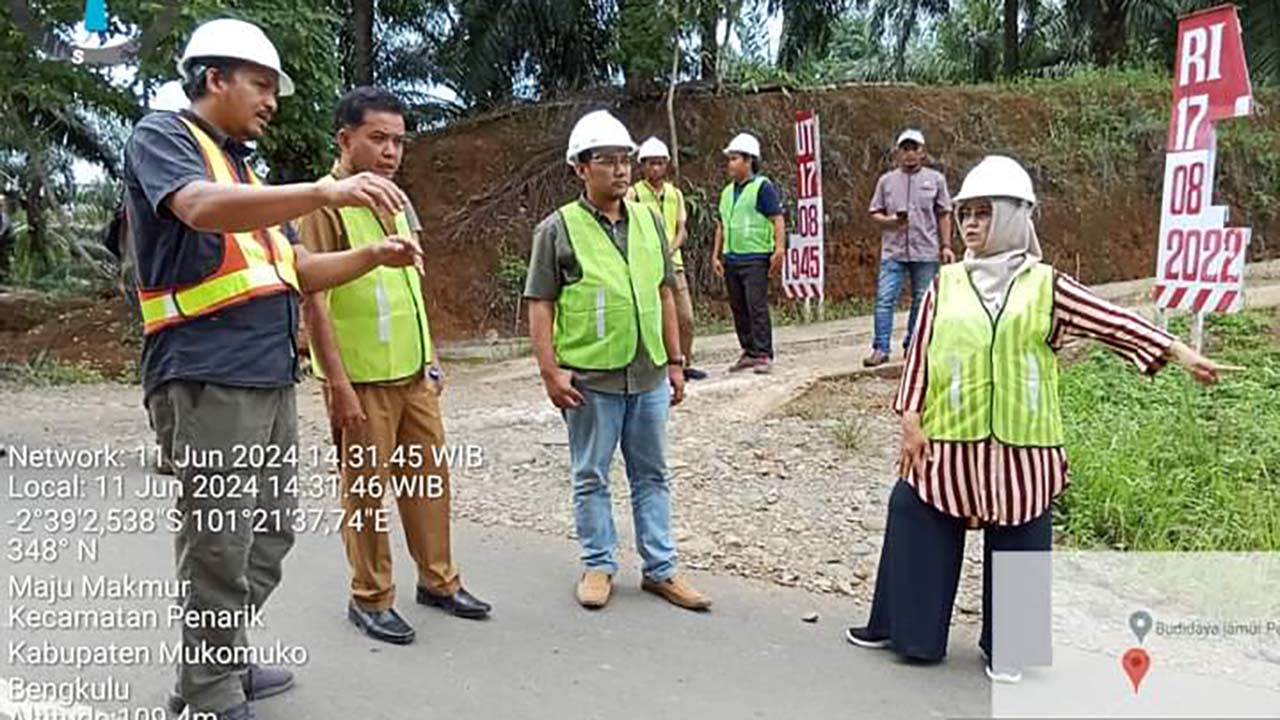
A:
[(997, 176), (653, 148), (236, 39), (744, 143), (911, 135), (597, 129)]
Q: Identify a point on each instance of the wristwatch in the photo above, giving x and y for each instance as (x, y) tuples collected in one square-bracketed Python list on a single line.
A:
[(679, 361)]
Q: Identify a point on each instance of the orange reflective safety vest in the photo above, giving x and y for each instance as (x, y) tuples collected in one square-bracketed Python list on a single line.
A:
[(254, 264)]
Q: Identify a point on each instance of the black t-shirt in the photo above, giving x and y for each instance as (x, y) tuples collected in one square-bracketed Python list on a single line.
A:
[(247, 345)]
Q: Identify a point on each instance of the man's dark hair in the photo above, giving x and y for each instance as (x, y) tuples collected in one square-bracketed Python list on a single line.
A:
[(198, 71), (358, 101)]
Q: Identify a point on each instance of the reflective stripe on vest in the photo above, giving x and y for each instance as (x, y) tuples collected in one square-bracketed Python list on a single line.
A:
[(746, 230), (668, 208), (379, 319), (254, 264), (993, 377), (600, 317)]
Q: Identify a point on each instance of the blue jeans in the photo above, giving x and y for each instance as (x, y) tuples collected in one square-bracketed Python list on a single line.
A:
[(889, 287), (639, 423)]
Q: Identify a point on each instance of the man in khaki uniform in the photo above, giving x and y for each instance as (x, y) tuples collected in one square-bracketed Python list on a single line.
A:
[(667, 201), (371, 342)]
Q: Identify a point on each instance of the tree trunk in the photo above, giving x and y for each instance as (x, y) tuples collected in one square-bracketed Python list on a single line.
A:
[(362, 12), (1012, 62), (907, 26), (671, 110), (708, 17), (731, 19), (33, 203), (1109, 39)]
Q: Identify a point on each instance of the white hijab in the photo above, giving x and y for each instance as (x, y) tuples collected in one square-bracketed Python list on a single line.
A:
[(1011, 249)]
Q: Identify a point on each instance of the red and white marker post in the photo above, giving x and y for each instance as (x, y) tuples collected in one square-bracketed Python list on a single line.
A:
[(804, 266), (1200, 264)]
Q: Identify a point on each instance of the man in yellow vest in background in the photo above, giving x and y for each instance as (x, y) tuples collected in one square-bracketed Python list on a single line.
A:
[(602, 319), (372, 345), (666, 199), (218, 275), (749, 247)]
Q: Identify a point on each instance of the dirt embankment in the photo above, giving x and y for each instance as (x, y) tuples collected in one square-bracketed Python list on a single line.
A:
[(1096, 154)]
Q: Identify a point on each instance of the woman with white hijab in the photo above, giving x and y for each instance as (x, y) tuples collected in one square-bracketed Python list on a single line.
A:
[(982, 428)]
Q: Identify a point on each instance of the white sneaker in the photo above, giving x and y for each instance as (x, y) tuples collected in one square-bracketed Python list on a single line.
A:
[(1007, 676), (860, 637)]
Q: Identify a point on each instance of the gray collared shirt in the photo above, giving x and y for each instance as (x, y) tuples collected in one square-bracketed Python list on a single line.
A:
[(923, 194), (553, 264)]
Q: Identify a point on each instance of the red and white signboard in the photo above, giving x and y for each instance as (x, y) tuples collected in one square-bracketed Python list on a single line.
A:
[(1200, 265), (804, 272)]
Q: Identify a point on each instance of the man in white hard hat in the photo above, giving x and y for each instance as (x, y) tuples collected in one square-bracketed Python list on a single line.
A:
[(665, 198), (749, 249), (371, 344), (602, 318), (219, 275), (912, 208)]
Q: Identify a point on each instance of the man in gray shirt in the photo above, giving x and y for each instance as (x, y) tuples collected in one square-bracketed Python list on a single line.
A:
[(602, 318), (912, 207)]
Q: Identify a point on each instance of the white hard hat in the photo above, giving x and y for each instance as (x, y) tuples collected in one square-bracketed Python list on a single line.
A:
[(744, 143), (597, 129), (997, 176), (170, 97), (911, 135), (230, 38), (653, 148)]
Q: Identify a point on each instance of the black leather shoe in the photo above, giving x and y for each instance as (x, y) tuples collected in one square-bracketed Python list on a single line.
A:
[(691, 373), (385, 625), (259, 681), (461, 603)]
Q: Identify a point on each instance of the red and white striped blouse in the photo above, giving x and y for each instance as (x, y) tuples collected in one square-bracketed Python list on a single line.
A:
[(988, 482)]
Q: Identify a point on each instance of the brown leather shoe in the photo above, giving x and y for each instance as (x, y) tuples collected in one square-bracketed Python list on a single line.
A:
[(594, 589), (877, 357), (677, 591)]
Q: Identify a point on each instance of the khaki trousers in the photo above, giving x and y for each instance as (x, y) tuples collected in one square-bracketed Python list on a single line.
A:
[(397, 454), (684, 313)]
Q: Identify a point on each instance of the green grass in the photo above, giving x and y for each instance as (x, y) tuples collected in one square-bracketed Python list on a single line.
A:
[(44, 371), (1165, 464), (853, 434)]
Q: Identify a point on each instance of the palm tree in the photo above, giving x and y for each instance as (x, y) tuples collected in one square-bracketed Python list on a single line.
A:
[(1012, 61), (901, 17), (807, 28)]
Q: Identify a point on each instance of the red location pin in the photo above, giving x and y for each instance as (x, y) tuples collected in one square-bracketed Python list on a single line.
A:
[(1136, 663)]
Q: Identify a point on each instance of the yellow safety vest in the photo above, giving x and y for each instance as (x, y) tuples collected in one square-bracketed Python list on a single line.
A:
[(254, 264), (669, 208), (993, 376), (380, 318), (600, 318)]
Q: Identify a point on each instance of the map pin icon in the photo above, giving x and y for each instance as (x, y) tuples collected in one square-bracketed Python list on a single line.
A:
[(1136, 663), (1140, 624)]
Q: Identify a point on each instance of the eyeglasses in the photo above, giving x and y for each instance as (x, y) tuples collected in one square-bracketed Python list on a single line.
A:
[(616, 160)]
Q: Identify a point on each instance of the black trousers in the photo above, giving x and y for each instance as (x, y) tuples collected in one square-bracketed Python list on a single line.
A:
[(920, 570), (748, 284)]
